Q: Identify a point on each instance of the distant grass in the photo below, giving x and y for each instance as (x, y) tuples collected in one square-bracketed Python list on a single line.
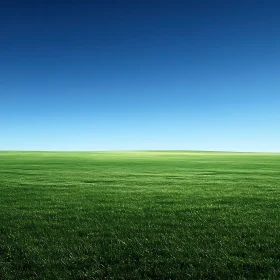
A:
[(139, 215)]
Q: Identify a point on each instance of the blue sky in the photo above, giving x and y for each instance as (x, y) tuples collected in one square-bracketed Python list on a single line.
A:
[(117, 75)]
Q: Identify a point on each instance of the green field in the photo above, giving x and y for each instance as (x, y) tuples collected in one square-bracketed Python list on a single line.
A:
[(139, 215)]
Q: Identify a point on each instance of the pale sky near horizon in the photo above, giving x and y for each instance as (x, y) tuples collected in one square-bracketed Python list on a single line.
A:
[(128, 75)]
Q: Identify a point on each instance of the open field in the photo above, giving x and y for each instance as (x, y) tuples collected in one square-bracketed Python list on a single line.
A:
[(139, 215)]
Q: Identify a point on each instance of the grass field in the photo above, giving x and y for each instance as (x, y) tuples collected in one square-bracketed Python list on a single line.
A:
[(139, 215)]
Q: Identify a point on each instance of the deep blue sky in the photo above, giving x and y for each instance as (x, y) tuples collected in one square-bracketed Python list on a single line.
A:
[(109, 75)]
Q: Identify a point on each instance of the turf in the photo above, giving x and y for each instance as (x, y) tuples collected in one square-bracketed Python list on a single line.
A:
[(139, 215)]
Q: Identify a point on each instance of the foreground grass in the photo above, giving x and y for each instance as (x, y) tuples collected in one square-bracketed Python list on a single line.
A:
[(139, 215)]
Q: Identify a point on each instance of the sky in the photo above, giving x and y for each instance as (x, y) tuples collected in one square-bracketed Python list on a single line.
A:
[(140, 75)]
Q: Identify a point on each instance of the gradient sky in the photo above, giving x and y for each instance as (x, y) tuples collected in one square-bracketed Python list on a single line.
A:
[(139, 74)]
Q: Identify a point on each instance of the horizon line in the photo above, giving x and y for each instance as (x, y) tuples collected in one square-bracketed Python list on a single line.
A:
[(140, 150)]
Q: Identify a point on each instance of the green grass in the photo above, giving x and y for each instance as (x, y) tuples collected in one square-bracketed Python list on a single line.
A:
[(139, 215)]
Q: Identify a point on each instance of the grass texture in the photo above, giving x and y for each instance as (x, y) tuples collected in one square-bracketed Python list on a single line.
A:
[(139, 215)]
